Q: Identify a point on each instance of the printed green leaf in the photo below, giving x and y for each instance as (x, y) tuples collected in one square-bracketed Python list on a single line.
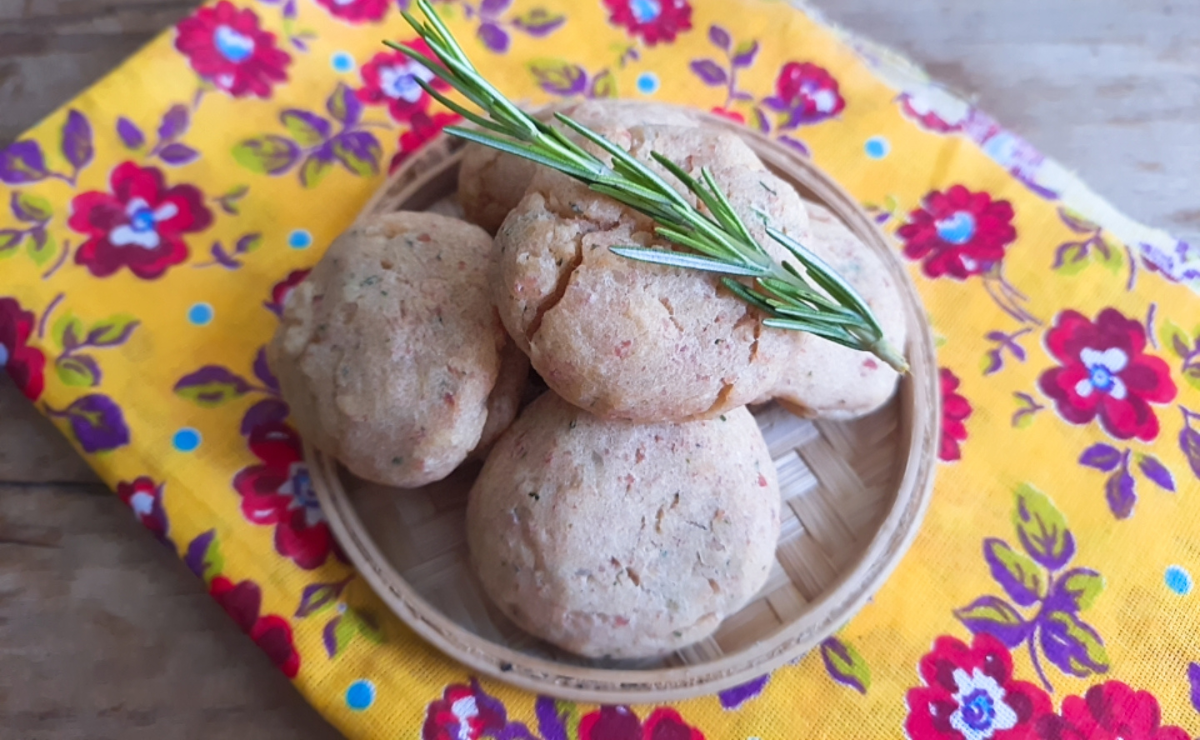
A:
[(1077, 589), (304, 127), (1042, 528), (1192, 375), (212, 386), (10, 240), (1175, 339), (344, 632), (69, 332), (78, 371), (113, 331), (214, 561), (558, 76), (845, 665), (314, 170), (604, 85), (1114, 261), (1020, 577), (268, 154), (359, 152), (1073, 259), (41, 248), (34, 207), (1073, 645)]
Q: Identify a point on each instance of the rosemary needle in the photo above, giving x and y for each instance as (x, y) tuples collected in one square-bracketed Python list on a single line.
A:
[(811, 298)]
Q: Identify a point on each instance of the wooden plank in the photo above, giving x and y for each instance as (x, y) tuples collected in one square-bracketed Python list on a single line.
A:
[(32, 449), (51, 50), (105, 634), (1109, 88), (1113, 92)]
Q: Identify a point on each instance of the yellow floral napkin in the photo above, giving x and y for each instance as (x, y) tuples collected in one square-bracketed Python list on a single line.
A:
[(152, 228)]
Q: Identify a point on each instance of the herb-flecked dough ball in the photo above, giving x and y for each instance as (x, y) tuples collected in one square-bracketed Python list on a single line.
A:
[(611, 539), (389, 353)]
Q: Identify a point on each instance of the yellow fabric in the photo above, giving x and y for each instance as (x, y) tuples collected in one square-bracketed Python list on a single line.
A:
[(151, 369)]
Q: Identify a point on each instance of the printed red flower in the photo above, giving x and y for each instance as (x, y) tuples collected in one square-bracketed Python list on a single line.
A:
[(283, 289), (144, 496), (958, 232), (969, 694), (935, 110), (424, 128), (955, 410), (26, 365), (390, 79), (651, 20), (226, 46), (272, 633), (279, 493), (357, 11), (807, 93), (463, 713), (730, 114), (1110, 711), (139, 225), (1105, 372), (620, 723)]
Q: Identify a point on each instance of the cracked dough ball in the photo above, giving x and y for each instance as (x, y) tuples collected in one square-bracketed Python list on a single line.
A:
[(630, 340), (390, 353), (826, 380), (610, 539), (491, 183)]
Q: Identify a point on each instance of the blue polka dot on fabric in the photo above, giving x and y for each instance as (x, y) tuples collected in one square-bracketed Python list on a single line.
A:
[(360, 695), (647, 83), (200, 314), (877, 147), (186, 440), (342, 62), (1178, 580), (300, 239)]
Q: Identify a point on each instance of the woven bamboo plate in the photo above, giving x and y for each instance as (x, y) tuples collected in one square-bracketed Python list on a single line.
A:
[(855, 493)]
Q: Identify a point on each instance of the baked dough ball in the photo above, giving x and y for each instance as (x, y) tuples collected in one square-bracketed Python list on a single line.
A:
[(824, 379), (610, 539), (491, 183), (389, 352), (505, 399), (629, 340)]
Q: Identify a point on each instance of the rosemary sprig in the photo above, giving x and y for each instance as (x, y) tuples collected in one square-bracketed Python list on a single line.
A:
[(827, 306)]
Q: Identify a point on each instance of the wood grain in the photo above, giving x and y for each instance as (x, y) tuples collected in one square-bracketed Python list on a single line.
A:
[(105, 634), (1111, 88)]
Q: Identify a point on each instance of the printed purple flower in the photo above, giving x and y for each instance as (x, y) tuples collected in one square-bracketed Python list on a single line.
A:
[(390, 79), (807, 93), (25, 364), (357, 11), (1105, 373), (1110, 711), (955, 411), (145, 497), (958, 232), (226, 46), (653, 21), (278, 493), (463, 713), (970, 692), (271, 632), (139, 225), (283, 289)]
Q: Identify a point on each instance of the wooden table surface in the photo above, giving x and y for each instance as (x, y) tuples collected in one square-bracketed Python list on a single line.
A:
[(104, 635)]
